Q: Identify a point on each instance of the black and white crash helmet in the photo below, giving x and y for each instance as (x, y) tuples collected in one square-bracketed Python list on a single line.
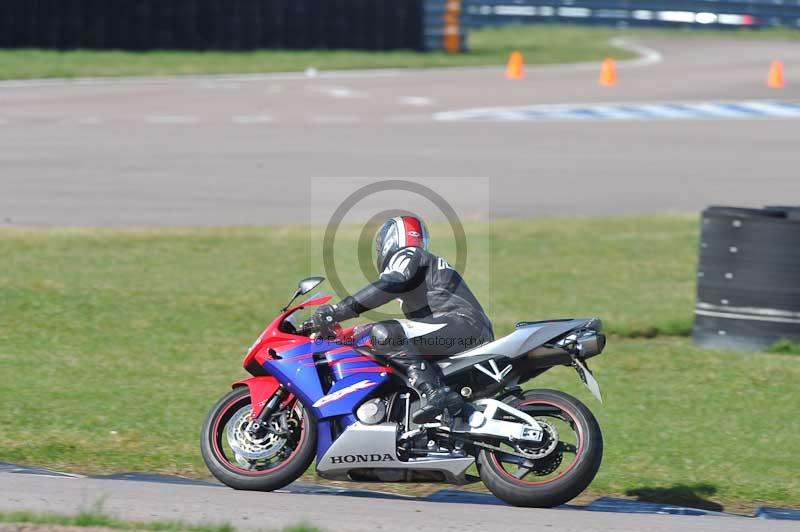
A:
[(396, 234)]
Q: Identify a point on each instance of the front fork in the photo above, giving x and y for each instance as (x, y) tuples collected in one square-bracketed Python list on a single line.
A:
[(260, 423), (266, 396)]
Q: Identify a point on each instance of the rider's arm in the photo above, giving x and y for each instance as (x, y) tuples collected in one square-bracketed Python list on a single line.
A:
[(400, 276)]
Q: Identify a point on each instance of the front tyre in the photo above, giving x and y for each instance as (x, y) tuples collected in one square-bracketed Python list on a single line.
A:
[(557, 470), (263, 462)]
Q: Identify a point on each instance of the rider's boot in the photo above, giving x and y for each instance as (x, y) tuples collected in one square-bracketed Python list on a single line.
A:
[(427, 378)]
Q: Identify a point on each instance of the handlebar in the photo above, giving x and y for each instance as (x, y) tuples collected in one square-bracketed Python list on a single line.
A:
[(328, 330)]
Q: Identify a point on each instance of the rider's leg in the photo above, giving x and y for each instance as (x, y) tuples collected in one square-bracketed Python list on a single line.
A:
[(426, 376), (449, 336), (452, 334), (389, 339)]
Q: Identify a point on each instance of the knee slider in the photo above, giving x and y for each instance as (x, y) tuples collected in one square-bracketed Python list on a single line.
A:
[(388, 337)]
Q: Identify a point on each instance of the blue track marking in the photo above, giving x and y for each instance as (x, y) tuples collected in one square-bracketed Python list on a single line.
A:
[(748, 109), (627, 506), (6, 467), (781, 514)]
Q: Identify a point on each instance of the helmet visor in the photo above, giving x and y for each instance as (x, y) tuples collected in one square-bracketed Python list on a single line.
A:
[(386, 243)]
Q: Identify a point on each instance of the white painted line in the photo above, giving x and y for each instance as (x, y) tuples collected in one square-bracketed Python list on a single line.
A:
[(465, 114), (252, 119), (518, 115), (664, 111), (613, 113), (416, 101), (719, 110), (171, 119), (647, 56), (335, 119), (217, 85), (337, 91)]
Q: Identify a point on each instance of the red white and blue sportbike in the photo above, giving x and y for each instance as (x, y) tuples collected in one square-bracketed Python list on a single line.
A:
[(324, 394)]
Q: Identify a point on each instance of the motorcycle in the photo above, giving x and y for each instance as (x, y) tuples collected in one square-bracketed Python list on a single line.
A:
[(322, 393)]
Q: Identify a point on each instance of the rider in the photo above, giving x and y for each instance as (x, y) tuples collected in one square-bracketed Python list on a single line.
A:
[(443, 316)]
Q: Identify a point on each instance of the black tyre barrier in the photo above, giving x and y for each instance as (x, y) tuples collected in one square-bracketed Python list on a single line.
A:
[(792, 212), (227, 24), (748, 277)]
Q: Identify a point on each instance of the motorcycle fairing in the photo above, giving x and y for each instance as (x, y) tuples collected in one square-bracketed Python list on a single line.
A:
[(346, 394), (272, 336), (519, 343), (261, 391), (375, 446), (358, 376), (345, 361), (294, 368)]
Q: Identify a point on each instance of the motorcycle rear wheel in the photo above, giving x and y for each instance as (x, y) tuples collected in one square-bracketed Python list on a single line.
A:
[(522, 482), (289, 456)]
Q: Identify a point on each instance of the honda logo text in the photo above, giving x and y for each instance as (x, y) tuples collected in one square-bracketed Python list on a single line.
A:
[(361, 458)]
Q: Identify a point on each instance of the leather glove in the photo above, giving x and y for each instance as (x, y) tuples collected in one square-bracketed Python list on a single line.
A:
[(325, 316)]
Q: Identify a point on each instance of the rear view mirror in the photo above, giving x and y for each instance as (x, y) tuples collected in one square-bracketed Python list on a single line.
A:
[(303, 287), (307, 285)]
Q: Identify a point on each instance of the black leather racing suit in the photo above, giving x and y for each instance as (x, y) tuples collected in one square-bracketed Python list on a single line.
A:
[(443, 316)]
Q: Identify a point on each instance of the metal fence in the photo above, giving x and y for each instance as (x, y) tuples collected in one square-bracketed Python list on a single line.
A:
[(687, 13), (223, 24)]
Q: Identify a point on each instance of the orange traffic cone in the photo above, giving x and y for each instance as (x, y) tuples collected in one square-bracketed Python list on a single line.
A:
[(775, 77), (515, 68), (608, 73)]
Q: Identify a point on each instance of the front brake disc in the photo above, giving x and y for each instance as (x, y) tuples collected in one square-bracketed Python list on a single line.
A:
[(248, 448)]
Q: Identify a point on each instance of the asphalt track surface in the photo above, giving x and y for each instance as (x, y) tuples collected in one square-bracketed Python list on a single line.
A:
[(213, 504), (245, 150)]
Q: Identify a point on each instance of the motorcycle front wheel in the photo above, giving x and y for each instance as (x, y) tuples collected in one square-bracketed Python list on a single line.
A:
[(260, 462), (554, 471)]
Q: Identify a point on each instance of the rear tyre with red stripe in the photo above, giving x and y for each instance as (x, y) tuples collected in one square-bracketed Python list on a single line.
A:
[(557, 470), (265, 463)]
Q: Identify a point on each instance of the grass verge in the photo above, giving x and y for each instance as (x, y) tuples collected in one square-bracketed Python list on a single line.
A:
[(693, 426), (549, 44), (786, 347), (127, 337)]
